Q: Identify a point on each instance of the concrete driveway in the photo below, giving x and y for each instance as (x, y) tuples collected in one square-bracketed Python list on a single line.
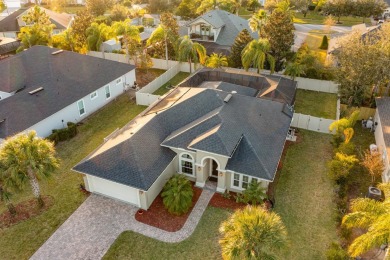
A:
[(89, 232)]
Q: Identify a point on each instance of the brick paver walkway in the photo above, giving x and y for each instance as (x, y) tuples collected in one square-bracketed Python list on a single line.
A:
[(89, 232)]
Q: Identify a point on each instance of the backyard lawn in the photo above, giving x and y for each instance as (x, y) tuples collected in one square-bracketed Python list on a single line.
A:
[(317, 104), (173, 82), (303, 197), (22, 240), (202, 244)]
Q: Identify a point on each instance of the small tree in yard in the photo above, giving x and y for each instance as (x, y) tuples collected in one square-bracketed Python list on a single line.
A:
[(26, 157), (324, 43), (373, 162), (177, 195), (242, 39), (216, 61), (252, 233)]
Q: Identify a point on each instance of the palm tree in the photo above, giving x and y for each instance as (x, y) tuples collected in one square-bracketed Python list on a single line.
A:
[(131, 36), (372, 215), (256, 53), (177, 195), (165, 35), (294, 70), (191, 51), (257, 21), (28, 157), (97, 34), (216, 61), (252, 232)]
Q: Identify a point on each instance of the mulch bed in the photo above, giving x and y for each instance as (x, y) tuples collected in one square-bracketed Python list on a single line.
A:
[(144, 77), (157, 216), (218, 201), (25, 210)]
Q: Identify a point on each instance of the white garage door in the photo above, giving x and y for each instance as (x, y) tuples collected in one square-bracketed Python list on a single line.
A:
[(114, 190)]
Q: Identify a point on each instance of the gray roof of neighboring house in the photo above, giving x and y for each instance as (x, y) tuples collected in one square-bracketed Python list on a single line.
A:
[(8, 45), (383, 107), (231, 25), (10, 23), (66, 77), (253, 127)]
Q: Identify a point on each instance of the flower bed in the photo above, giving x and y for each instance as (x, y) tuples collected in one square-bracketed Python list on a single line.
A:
[(218, 201), (25, 210), (157, 216)]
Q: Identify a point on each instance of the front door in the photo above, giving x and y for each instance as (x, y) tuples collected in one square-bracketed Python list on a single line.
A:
[(214, 171)]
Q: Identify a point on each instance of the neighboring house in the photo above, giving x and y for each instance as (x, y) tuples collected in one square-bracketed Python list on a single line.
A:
[(43, 88), (217, 30), (10, 26), (382, 133), (8, 45), (229, 135)]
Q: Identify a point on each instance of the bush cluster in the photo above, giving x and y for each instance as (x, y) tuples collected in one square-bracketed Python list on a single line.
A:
[(59, 135)]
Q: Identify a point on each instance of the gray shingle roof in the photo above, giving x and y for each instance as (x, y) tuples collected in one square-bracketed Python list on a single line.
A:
[(10, 23), (231, 25), (65, 77), (140, 160), (256, 127)]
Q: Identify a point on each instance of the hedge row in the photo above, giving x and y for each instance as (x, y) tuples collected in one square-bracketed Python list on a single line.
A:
[(59, 135)]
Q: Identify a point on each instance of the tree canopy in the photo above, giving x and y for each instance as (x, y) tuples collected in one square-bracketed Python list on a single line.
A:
[(242, 39)]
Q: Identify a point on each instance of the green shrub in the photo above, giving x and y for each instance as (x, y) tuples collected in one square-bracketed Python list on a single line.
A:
[(324, 43), (254, 194), (177, 195), (340, 166), (336, 252), (348, 149), (72, 128), (141, 28), (54, 138)]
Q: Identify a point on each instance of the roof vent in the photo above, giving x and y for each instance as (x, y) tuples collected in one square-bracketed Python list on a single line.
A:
[(57, 52), (234, 92), (35, 91), (227, 98)]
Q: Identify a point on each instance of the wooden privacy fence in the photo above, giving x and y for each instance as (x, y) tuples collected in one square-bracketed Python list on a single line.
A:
[(312, 123)]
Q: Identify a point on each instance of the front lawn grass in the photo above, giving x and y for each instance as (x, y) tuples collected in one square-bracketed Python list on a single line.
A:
[(317, 104), (303, 197), (202, 244), (314, 17), (314, 40), (22, 240), (173, 82)]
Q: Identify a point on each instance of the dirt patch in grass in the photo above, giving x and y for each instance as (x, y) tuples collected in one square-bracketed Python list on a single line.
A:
[(158, 216), (25, 210), (219, 201)]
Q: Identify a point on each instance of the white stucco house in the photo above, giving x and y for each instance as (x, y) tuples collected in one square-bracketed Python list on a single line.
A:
[(382, 133), (11, 24), (43, 88), (217, 126)]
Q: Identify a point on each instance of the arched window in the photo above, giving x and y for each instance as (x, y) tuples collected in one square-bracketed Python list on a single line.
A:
[(186, 164)]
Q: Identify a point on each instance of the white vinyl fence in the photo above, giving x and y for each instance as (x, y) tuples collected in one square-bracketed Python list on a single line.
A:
[(317, 85), (311, 123), (161, 80)]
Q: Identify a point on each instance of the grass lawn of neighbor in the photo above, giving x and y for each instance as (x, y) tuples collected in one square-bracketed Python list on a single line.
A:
[(314, 17), (303, 197), (317, 104), (22, 240), (173, 82)]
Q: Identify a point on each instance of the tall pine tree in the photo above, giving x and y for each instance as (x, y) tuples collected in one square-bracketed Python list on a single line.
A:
[(242, 39), (279, 30)]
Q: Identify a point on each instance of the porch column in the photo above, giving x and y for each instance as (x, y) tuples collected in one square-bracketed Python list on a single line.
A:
[(221, 187), (201, 172)]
